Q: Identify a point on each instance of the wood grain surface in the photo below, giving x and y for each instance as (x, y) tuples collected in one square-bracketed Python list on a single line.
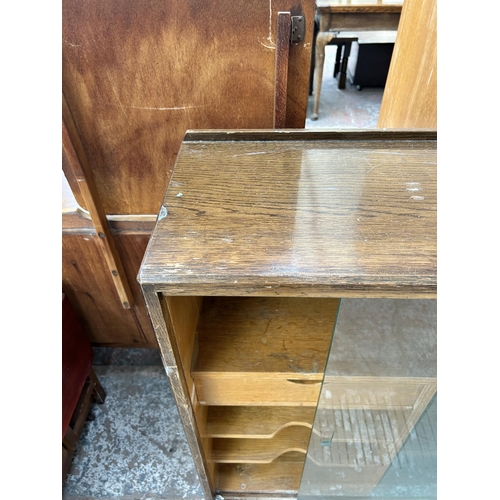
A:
[(261, 451), (255, 422), (335, 6), (339, 214), (164, 326), (137, 75), (86, 278), (281, 68), (283, 337), (410, 94), (257, 390), (77, 168), (89, 285), (279, 477)]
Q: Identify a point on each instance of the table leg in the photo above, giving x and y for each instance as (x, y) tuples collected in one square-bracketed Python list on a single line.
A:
[(321, 41), (338, 56), (313, 57), (343, 69)]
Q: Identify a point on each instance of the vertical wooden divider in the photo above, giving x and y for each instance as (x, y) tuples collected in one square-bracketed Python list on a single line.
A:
[(281, 73), (76, 168)]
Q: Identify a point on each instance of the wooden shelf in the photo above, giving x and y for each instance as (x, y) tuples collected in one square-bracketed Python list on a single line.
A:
[(255, 422), (279, 477), (277, 337), (261, 451), (262, 350)]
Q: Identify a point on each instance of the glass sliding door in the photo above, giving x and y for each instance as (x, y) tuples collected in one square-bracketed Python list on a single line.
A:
[(374, 433)]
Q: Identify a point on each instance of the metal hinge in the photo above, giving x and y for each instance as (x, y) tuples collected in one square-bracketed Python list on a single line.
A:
[(297, 30)]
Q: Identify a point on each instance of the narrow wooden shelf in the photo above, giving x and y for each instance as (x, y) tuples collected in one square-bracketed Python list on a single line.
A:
[(279, 477), (273, 337), (261, 451), (255, 422)]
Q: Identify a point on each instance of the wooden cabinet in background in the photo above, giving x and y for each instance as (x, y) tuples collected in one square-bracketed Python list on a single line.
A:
[(135, 77), (410, 94)]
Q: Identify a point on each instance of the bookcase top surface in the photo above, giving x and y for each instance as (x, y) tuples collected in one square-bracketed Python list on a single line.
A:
[(298, 213)]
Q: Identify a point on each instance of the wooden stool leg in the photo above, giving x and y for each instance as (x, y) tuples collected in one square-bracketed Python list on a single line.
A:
[(70, 439), (97, 390)]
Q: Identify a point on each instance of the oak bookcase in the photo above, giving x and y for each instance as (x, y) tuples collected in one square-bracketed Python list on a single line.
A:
[(259, 237)]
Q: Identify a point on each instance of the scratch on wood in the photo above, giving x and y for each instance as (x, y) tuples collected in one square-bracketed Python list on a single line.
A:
[(166, 109), (272, 45), (259, 153), (71, 44)]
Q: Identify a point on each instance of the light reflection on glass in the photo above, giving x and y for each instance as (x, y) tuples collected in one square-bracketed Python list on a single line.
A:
[(375, 426)]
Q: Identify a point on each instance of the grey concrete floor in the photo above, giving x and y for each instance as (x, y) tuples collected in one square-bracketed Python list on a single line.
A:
[(135, 448), (346, 108)]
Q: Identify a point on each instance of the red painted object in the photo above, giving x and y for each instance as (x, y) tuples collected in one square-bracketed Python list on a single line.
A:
[(77, 359)]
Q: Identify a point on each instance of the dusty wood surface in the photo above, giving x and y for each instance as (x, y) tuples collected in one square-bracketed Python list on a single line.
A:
[(279, 477), (283, 337), (137, 75), (410, 94), (339, 214)]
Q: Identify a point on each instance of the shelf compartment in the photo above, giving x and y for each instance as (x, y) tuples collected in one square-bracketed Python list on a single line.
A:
[(262, 350), (261, 451), (255, 422), (288, 337), (230, 391), (281, 477)]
